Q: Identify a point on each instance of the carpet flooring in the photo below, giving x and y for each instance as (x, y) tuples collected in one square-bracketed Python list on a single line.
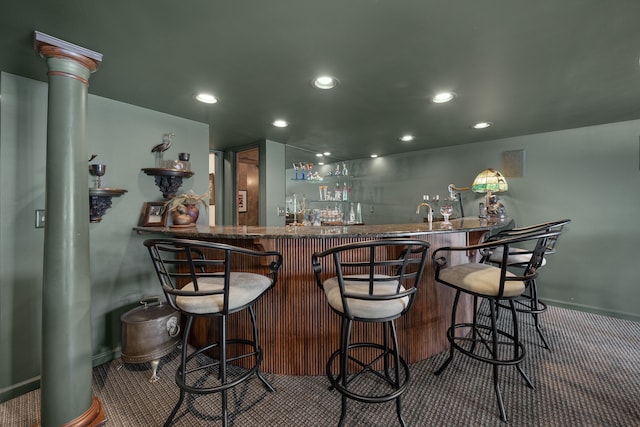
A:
[(591, 377)]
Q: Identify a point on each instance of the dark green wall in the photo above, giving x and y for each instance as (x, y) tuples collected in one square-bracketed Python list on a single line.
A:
[(591, 175), (122, 136)]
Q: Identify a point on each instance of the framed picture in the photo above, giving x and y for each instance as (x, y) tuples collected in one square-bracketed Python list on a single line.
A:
[(154, 214), (242, 200)]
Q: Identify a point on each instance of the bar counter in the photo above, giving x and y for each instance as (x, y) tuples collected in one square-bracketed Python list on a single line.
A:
[(298, 331)]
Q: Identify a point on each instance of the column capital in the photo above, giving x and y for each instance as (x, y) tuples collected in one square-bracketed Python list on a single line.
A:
[(50, 47)]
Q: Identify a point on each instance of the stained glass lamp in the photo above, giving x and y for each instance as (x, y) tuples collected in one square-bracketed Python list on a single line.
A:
[(491, 181)]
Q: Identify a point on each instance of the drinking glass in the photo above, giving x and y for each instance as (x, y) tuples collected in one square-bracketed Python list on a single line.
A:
[(446, 210)]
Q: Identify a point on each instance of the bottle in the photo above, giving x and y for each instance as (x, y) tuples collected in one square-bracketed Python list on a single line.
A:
[(345, 192), (482, 210), (338, 192)]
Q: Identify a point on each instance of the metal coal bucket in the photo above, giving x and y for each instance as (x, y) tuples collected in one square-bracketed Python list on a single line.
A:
[(149, 332)]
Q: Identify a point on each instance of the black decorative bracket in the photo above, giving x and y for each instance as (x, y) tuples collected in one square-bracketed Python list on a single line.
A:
[(168, 180), (100, 201)]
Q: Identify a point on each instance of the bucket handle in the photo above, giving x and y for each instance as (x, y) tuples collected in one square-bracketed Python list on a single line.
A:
[(145, 300), (173, 328)]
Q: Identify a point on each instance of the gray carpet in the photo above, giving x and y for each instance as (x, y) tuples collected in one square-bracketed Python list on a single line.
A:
[(590, 378)]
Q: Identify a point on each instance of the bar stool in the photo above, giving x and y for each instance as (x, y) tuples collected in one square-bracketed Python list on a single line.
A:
[(498, 346), (214, 280), (374, 282), (528, 302)]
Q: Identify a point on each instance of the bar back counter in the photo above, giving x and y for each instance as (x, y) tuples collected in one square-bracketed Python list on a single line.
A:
[(296, 326)]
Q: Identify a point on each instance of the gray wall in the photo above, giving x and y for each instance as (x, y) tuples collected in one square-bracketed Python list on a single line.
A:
[(122, 135), (590, 175), (271, 183)]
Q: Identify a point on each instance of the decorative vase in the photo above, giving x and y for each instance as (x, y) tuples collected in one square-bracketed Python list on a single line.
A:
[(193, 212), (179, 218)]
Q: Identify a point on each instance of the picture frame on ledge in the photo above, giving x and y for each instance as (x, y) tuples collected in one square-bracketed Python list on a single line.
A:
[(242, 201), (154, 214)]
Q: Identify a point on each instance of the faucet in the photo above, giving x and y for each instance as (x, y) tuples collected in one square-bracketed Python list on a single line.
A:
[(429, 211)]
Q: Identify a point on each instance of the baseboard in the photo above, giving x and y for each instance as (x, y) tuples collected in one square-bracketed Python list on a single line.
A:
[(19, 389), (31, 384), (106, 356), (593, 309)]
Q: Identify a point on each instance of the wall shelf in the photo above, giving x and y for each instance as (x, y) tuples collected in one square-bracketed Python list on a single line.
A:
[(100, 201), (168, 181)]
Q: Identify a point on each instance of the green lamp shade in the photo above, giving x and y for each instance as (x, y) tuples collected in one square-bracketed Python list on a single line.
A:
[(489, 180)]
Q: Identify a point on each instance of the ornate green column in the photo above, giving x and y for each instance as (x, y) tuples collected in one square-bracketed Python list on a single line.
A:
[(66, 368)]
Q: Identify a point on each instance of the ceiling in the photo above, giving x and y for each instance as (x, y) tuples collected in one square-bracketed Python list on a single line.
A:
[(526, 66)]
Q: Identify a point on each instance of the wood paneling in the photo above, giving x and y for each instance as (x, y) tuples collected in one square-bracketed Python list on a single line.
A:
[(297, 329)]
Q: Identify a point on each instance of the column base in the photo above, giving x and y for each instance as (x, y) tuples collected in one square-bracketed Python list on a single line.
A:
[(92, 417)]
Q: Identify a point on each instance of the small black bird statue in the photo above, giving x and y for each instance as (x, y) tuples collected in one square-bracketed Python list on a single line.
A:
[(161, 148)]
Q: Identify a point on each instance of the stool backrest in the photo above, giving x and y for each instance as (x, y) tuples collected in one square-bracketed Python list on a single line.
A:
[(546, 227), (376, 264), (181, 261)]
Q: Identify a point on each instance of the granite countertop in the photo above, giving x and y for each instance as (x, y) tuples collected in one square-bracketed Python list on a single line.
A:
[(466, 224)]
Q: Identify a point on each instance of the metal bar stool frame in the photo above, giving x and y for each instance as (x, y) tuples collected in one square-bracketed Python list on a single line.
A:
[(489, 343), (371, 274), (528, 302), (178, 261)]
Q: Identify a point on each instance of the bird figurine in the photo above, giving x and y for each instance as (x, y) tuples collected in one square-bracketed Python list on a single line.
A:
[(165, 145), (161, 148)]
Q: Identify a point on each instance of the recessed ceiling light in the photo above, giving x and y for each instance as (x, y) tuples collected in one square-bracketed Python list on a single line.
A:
[(321, 163), (207, 98), (280, 123), (406, 138), (326, 153), (373, 156), (325, 82), (482, 125), (319, 155), (443, 97)]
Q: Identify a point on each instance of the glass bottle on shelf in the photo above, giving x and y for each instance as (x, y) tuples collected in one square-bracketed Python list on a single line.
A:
[(338, 192), (309, 167)]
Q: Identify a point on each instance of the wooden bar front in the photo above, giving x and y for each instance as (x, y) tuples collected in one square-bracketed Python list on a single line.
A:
[(297, 329)]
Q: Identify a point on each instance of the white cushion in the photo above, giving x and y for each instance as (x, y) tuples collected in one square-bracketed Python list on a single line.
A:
[(516, 256), (243, 288), (481, 279), (362, 308)]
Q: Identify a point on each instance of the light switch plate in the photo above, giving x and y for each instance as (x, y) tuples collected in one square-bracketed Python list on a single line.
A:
[(40, 217)]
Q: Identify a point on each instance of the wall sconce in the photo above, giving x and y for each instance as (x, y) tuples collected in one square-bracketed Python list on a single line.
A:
[(100, 197), (491, 181)]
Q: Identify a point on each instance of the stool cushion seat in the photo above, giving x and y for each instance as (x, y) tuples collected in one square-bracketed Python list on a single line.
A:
[(481, 279), (366, 309), (243, 288), (516, 256)]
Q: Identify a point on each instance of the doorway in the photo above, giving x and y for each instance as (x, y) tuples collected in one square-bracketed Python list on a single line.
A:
[(248, 186)]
